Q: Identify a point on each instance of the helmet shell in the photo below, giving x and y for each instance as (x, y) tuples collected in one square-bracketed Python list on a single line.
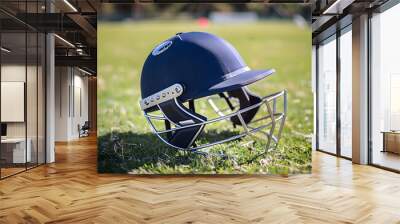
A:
[(196, 60)]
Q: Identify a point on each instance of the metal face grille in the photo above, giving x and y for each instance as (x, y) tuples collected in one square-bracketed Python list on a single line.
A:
[(269, 124)]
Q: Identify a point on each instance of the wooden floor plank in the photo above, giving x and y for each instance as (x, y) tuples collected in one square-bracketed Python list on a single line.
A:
[(71, 191)]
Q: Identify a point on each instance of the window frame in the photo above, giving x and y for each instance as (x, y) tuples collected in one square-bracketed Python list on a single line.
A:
[(345, 23)]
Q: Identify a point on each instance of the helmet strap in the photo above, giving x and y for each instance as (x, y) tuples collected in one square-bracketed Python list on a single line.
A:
[(191, 105), (168, 127), (227, 100), (178, 114), (246, 99)]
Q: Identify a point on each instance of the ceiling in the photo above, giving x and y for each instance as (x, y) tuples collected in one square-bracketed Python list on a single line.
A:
[(73, 21), (331, 15)]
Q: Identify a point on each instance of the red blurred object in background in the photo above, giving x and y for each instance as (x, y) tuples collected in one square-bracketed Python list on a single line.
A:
[(202, 21)]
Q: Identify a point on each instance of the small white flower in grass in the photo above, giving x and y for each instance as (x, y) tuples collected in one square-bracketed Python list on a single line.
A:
[(247, 143), (264, 162)]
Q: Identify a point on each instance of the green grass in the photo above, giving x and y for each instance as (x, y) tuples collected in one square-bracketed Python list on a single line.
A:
[(123, 48)]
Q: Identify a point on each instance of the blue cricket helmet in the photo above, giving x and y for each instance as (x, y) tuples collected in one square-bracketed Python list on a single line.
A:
[(202, 63), (193, 65)]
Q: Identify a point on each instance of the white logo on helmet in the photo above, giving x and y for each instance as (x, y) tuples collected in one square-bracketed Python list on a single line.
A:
[(161, 48)]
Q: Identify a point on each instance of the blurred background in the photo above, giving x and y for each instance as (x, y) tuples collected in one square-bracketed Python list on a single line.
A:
[(266, 35), (220, 12)]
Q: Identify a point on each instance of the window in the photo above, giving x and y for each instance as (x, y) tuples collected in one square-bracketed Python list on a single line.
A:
[(327, 95), (385, 89), (22, 77), (346, 92)]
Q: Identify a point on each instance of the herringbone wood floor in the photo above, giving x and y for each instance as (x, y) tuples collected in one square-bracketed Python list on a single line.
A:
[(70, 191)]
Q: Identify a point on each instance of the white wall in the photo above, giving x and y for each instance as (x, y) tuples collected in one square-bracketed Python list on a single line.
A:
[(62, 82), (80, 103), (71, 94), (12, 73)]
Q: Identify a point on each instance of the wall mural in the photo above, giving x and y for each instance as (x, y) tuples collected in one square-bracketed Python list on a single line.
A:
[(209, 93)]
